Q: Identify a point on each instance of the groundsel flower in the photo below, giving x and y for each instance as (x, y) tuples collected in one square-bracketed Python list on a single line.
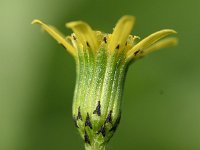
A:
[(102, 61)]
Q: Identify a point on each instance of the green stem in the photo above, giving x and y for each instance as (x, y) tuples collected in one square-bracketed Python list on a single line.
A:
[(95, 146)]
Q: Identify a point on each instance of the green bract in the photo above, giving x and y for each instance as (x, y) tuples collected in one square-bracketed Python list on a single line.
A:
[(102, 61)]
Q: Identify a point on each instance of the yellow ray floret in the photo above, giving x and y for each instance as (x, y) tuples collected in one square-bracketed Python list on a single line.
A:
[(84, 33), (148, 41), (121, 32), (57, 36), (160, 44), (119, 41)]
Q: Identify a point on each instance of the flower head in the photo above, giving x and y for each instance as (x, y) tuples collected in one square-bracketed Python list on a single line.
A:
[(102, 61)]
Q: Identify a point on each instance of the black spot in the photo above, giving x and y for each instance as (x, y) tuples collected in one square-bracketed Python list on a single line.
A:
[(87, 121), (126, 43), (116, 124), (102, 130), (88, 44), (98, 109), (105, 39), (117, 46), (135, 53), (109, 118), (79, 114), (75, 122), (86, 138), (74, 37), (63, 46)]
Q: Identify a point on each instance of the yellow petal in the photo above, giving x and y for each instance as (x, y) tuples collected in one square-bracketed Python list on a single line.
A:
[(84, 33), (121, 32), (161, 44), (148, 41), (56, 35)]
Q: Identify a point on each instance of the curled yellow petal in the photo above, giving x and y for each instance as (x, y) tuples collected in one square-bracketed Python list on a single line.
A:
[(84, 33), (148, 41), (57, 36), (161, 44), (121, 32)]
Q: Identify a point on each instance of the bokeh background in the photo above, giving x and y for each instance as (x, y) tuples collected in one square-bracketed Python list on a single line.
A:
[(161, 107)]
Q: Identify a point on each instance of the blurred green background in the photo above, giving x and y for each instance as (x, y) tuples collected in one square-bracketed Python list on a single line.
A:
[(161, 107)]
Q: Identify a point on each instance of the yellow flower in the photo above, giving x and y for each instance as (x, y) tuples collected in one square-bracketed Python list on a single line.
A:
[(119, 40), (102, 61)]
